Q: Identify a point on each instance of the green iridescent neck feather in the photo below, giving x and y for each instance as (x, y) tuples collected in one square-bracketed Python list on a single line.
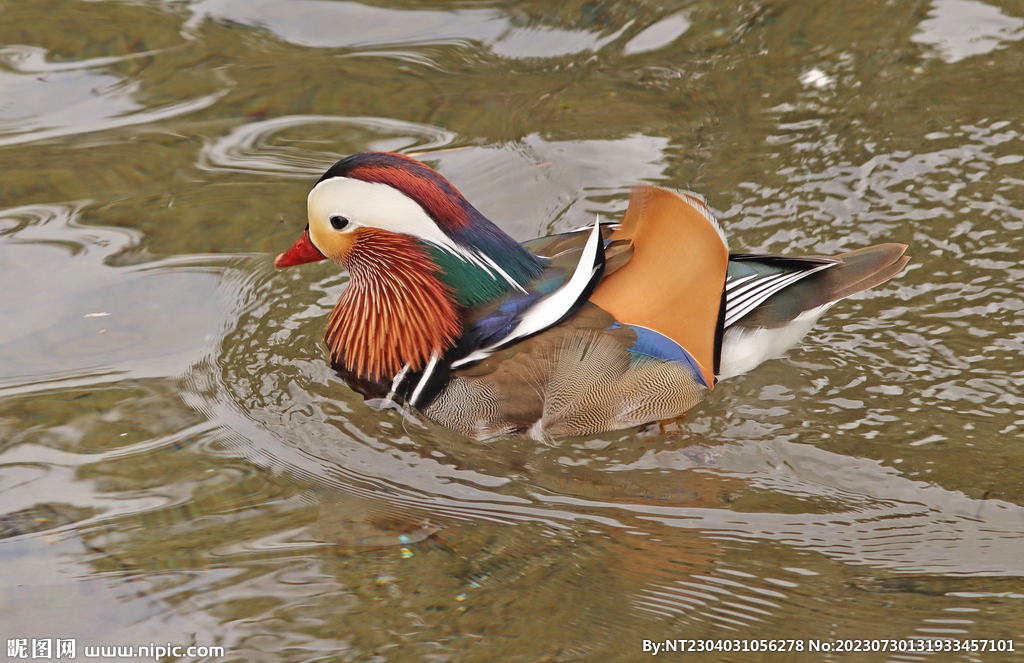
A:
[(473, 285)]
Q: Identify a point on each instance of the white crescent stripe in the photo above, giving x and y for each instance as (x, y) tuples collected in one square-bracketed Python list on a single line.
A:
[(747, 298), (732, 283), (424, 379), (549, 310)]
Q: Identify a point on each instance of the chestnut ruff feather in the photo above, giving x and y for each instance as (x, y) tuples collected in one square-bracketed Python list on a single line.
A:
[(395, 311)]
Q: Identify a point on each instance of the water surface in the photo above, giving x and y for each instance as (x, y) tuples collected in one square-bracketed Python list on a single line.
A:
[(179, 464)]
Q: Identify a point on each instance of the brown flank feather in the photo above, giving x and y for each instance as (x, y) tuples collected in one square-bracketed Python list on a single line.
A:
[(395, 310)]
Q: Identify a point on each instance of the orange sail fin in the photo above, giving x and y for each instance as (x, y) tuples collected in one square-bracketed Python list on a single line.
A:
[(674, 282)]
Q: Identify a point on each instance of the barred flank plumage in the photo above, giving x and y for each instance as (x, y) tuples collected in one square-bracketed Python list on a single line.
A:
[(576, 378), (395, 310)]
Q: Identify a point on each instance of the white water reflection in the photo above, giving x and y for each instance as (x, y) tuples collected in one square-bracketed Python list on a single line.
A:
[(81, 320), (544, 174), (324, 24), (43, 100), (659, 35), (958, 29), (55, 592), (816, 78)]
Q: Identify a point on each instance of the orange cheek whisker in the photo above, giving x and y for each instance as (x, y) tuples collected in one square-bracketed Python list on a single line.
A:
[(395, 310)]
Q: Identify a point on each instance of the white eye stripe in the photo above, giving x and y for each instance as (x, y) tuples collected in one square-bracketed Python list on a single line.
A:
[(370, 204), (377, 205)]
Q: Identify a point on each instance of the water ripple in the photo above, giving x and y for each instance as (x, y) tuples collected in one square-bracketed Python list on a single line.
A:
[(43, 101), (103, 322), (267, 148)]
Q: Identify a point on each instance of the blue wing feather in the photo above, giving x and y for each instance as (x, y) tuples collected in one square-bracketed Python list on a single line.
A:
[(655, 344)]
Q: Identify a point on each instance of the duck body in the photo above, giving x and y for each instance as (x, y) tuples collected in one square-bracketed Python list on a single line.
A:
[(598, 329)]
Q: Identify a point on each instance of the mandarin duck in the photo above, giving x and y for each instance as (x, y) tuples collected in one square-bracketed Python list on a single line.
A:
[(602, 328)]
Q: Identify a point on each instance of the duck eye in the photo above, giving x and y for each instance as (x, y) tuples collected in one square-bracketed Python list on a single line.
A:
[(338, 222)]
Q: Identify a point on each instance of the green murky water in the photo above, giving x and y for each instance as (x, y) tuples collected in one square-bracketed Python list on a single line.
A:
[(178, 464)]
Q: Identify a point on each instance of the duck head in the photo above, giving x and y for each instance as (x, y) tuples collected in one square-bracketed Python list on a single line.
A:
[(418, 254)]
